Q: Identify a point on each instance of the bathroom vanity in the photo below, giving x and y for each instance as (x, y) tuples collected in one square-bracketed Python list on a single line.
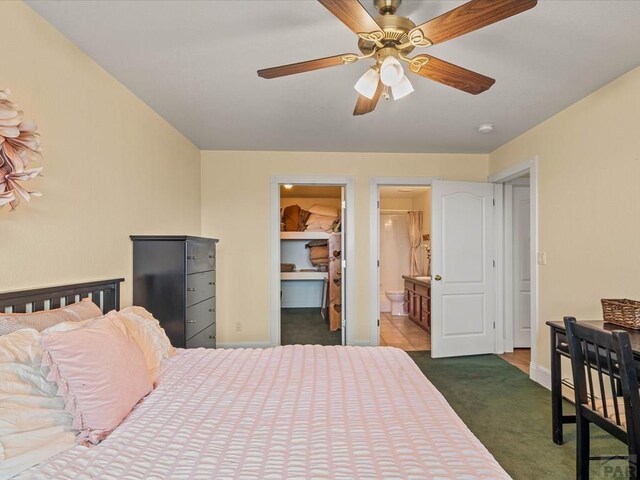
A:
[(417, 300)]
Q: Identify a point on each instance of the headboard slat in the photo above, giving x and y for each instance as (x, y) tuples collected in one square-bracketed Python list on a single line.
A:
[(18, 300)]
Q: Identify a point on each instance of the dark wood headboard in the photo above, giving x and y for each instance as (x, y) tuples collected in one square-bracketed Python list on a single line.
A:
[(104, 293)]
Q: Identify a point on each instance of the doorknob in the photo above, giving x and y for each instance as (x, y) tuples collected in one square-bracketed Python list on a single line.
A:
[(438, 278)]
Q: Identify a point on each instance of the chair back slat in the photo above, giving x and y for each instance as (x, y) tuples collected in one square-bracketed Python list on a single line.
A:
[(613, 386)]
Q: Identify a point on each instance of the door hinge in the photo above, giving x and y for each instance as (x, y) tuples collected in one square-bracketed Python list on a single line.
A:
[(494, 325), (378, 322), (344, 204), (494, 202), (378, 263), (378, 203), (494, 263)]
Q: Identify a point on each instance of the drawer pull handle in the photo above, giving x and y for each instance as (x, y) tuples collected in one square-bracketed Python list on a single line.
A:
[(211, 309), (211, 337), (191, 321), (562, 344), (210, 256), (191, 257), (191, 289), (212, 283)]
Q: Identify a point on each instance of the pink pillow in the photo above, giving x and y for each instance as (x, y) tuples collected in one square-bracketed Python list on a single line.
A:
[(101, 373)]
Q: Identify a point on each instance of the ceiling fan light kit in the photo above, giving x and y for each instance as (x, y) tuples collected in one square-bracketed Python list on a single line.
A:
[(390, 38), (391, 71), (403, 89), (368, 83)]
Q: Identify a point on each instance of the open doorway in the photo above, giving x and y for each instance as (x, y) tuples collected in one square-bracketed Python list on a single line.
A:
[(310, 264), (305, 286), (381, 319), (520, 265), (404, 228)]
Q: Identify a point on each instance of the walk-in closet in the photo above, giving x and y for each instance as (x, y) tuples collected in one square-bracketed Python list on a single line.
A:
[(311, 245)]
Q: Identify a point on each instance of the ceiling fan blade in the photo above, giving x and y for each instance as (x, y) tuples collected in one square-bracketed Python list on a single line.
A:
[(364, 105), (308, 66), (352, 14), (453, 75), (471, 16)]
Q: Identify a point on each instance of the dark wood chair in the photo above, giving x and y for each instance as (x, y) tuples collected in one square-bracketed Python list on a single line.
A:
[(606, 390)]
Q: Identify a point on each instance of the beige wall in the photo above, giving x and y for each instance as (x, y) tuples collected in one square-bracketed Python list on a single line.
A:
[(589, 202), (113, 167), (235, 208)]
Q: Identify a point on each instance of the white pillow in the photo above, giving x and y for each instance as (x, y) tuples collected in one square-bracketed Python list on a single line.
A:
[(320, 220), (33, 422), (150, 337), (324, 210)]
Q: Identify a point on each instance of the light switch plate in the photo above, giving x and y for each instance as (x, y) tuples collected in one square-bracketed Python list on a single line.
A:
[(542, 258)]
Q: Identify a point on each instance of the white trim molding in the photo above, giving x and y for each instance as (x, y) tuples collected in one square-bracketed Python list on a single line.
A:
[(537, 373), (540, 375), (274, 246), (374, 243)]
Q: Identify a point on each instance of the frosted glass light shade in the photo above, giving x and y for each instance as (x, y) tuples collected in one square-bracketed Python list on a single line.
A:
[(403, 89), (391, 72), (368, 83)]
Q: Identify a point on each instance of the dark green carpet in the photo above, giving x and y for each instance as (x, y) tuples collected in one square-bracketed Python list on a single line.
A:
[(305, 326), (511, 415)]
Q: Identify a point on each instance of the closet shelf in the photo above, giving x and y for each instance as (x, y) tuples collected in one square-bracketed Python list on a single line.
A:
[(304, 235), (304, 275)]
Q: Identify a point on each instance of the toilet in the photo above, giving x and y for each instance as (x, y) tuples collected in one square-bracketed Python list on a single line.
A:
[(397, 302)]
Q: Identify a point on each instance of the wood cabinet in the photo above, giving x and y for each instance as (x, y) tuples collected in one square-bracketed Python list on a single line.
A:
[(417, 299), (174, 277)]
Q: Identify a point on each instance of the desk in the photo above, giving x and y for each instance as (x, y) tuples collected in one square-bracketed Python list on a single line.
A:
[(560, 348)]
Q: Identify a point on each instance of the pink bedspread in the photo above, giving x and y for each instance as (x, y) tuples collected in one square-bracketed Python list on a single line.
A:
[(287, 412)]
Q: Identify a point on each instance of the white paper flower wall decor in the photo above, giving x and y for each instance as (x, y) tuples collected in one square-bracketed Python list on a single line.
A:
[(19, 146)]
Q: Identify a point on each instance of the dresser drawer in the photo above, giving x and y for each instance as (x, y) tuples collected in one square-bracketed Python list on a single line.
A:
[(200, 256), (206, 338), (199, 316), (200, 286)]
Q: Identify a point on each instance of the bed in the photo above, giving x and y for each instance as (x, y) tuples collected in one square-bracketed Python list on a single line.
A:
[(283, 412)]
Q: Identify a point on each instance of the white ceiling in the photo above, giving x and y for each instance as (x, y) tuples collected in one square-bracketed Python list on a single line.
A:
[(195, 63)]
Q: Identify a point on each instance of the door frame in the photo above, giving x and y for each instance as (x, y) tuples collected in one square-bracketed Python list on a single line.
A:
[(374, 242), (505, 284), (274, 248)]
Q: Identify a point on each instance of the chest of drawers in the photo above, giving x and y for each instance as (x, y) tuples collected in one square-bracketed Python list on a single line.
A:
[(174, 277)]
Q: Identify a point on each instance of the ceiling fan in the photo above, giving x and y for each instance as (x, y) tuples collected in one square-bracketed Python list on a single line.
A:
[(390, 38)]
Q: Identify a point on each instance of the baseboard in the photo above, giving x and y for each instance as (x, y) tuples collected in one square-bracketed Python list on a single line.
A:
[(540, 375), (508, 345), (244, 345), (361, 343)]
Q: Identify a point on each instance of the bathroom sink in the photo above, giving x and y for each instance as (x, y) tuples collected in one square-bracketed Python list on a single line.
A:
[(423, 279)]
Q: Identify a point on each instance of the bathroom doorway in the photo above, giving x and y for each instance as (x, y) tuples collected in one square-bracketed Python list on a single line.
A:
[(404, 262)]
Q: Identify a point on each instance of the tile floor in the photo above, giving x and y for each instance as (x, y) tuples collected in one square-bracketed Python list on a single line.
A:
[(520, 357), (402, 333)]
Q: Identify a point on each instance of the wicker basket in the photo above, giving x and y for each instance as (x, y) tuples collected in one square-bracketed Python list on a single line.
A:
[(623, 312)]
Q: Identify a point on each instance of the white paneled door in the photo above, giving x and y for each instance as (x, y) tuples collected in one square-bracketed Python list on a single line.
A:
[(521, 267), (462, 273)]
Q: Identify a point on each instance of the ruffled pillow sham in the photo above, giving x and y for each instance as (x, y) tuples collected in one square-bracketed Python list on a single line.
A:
[(33, 422), (100, 372), (83, 310), (150, 337)]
